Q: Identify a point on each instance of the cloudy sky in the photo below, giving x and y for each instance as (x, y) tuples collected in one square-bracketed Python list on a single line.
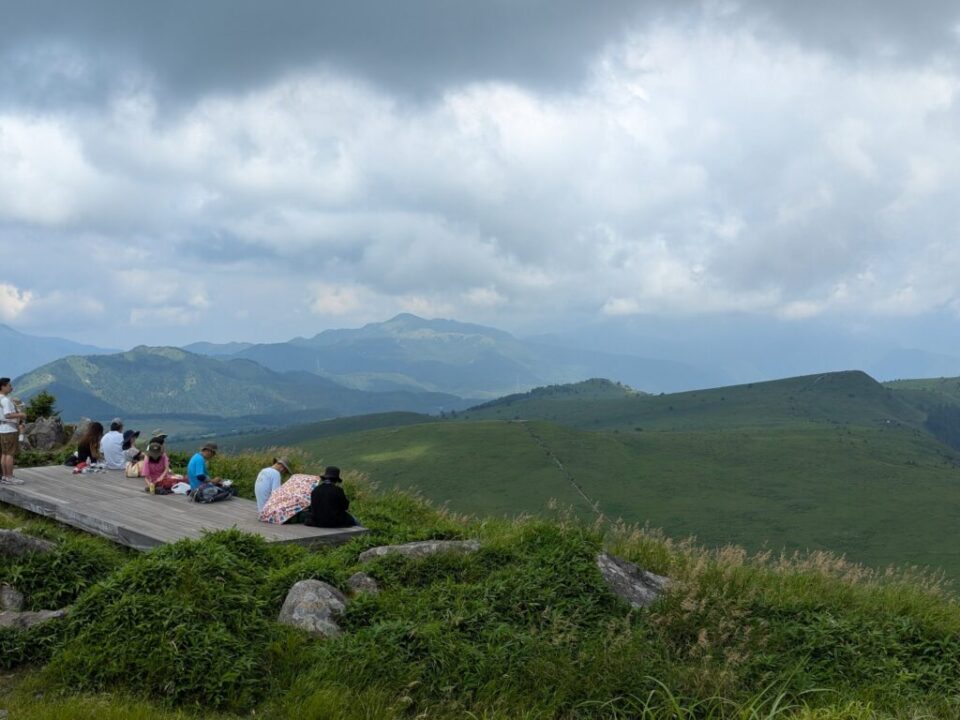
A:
[(239, 170)]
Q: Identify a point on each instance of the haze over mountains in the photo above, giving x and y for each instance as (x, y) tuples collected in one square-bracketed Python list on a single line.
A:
[(174, 383), (409, 352), (20, 352)]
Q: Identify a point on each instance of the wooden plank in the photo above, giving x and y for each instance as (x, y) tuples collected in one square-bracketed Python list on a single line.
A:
[(115, 507)]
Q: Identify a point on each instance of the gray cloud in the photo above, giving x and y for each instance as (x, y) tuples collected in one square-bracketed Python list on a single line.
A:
[(191, 48)]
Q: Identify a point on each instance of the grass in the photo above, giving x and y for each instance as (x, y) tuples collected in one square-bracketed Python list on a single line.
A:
[(833, 398), (880, 495), (524, 628)]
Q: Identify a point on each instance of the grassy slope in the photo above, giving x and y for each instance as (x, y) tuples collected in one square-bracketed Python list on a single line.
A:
[(881, 495), (845, 397), (523, 629), (928, 392)]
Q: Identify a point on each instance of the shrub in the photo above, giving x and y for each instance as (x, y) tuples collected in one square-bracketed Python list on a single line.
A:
[(41, 405), (185, 623)]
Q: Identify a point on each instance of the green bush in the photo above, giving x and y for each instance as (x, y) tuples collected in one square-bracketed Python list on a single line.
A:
[(41, 405), (55, 579), (185, 623)]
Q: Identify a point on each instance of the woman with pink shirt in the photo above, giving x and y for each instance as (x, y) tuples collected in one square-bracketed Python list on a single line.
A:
[(156, 469)]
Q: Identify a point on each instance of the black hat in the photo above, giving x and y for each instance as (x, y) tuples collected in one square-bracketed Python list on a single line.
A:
[(331, 473), (127, 434)]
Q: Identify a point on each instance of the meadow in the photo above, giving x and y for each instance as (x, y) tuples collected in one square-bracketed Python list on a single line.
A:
[(525, 628)]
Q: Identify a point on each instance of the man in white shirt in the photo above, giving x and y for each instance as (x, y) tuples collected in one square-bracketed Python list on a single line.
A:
[(9, 433), (269, 480), (111, 447)]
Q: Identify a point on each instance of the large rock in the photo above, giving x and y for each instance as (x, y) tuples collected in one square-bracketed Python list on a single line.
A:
[(80, 430), (26, 619), (46, 433), (16, 543), (313, 606), (630, 582), (362, 583), (421, 549), (10, 598)]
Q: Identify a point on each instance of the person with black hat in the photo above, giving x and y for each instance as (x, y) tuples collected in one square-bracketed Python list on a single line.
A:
[(328, 502)]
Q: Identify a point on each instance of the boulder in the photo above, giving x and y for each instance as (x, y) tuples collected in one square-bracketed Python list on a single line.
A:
[(16, 543), (10, 598), (46, 433), (421, 549), (27, 619), (362, 583), (80, 430), (313, 606), (630, 582)]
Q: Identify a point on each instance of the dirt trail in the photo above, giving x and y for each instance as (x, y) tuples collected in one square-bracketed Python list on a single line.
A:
[(593, 504)]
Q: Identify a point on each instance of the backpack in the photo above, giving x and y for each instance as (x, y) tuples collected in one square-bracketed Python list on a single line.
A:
[(208, 493)]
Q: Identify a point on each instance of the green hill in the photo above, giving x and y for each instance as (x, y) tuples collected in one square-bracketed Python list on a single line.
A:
[(880, 495), (928, 392), (832, 461), (525, 627), (169, 381), (834, 398)]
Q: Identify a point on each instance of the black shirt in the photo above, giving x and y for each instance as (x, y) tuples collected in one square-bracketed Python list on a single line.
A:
[(328, 507)]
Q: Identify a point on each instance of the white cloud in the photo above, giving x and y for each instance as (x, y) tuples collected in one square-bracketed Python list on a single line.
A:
[(13, 301), (701, 169)]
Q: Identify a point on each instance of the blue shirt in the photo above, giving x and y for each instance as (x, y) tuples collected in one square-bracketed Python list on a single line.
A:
[(196, 468)]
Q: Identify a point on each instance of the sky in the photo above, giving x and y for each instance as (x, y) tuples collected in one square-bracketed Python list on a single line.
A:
[(238, 170)]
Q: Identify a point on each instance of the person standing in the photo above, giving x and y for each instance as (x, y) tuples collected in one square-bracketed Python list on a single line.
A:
[(197, 467), (111, 447), (10, 419), (269, 480)]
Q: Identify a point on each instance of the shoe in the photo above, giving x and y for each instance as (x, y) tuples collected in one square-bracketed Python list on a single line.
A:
[(12, 481)]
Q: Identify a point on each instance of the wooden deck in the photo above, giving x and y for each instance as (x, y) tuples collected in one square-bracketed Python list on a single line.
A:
[(116, 507)]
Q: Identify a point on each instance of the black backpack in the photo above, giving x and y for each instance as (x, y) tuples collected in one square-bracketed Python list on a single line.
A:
[(208, 493)]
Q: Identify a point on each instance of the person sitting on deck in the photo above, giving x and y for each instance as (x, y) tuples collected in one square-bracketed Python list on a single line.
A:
[(156, 470), (269, 480), (111, 447), (131, 453), (197, 467), (328, 503), (290, 502), (88, 447)]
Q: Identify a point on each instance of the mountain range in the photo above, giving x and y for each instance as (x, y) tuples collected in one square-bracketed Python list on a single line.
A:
[(22, 352), (413, 353), (172, 382)]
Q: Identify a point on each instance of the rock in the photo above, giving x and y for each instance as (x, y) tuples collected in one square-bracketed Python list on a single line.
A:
[(10, 598), (630, 582), (421, 549), (46, 433), (15, 543), (26, 619), (362, 583), (80, 430), (313, 605)]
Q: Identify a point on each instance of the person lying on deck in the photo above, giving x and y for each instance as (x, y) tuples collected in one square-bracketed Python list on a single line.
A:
[(328, 502)]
